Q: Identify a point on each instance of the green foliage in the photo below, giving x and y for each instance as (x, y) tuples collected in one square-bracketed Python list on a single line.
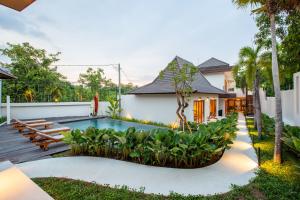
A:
[(2, 119), (292, 138), (160, 147), (93, 79), (272, 182), (291, 134), (275, 181), (268, 124), (113, 108), (288, 33), (182, 77), (39, 82)]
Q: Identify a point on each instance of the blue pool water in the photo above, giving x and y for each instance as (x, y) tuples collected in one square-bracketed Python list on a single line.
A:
[(106, 123)]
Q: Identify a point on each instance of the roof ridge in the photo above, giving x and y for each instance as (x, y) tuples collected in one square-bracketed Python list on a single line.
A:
[(210, 63)]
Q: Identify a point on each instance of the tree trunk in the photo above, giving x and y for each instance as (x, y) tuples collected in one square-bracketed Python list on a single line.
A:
[(184, 106), (276, 84), (247, 110), (179, 109), (257, 105), (254, 102)]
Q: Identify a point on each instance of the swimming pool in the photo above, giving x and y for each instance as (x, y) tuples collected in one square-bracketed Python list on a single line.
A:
[(105, 123)]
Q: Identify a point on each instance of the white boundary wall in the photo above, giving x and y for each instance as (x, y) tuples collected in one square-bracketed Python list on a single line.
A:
[(44, 110), (290, 103), (160, 107)]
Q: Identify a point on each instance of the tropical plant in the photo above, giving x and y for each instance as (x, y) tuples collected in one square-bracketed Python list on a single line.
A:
[(113, 108), (292, 138), (182, 77), (160, 147), (268, 124), (271, 8), (249, 65), (2, 119)]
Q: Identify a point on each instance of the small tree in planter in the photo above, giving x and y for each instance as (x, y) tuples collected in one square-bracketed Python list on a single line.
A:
[(181, 78)]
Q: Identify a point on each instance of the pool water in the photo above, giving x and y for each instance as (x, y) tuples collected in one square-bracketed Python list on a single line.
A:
[(106, 123)]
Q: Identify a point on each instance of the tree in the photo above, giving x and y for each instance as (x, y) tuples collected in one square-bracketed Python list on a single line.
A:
[(31, 66), (239, 76), (271, 8), (250, 66), (181, 78), (94, 79), (288, 34)]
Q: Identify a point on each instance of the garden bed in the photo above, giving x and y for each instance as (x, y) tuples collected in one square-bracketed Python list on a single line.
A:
[(158, 147)]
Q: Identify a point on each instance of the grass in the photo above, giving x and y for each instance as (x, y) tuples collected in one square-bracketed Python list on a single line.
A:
[(272, 182)]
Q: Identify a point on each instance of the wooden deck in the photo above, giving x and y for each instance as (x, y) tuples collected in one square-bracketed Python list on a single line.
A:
[(18, 149)]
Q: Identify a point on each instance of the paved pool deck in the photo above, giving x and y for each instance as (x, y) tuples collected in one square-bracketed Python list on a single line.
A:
[(237, 166)]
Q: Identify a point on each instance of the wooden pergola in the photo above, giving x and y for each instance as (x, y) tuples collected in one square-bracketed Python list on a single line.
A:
[(18, 5)]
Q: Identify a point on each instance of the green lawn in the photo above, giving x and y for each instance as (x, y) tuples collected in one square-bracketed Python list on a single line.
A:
[(272, 182)]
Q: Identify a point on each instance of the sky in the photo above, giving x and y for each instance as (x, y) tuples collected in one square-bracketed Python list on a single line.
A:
[(142, 35)]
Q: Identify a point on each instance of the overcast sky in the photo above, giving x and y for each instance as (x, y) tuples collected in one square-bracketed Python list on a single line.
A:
[(142, 35)]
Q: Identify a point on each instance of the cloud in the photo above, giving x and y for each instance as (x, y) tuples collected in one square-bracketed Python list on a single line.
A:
[(20, 24)]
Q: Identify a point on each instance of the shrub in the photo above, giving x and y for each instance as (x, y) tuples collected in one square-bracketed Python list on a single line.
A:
[(159, 147), (291, 134), (2, 119), (292, 138), (268, 124)]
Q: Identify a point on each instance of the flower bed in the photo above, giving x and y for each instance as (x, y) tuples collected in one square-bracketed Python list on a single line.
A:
[(158, 147)]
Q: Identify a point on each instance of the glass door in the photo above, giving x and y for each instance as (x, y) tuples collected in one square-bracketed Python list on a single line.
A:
[(198, 111)]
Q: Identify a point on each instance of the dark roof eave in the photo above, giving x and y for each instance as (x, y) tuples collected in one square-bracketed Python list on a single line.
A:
[(141, 93)]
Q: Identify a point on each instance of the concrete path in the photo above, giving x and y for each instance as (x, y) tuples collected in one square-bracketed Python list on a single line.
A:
[(237, 166)]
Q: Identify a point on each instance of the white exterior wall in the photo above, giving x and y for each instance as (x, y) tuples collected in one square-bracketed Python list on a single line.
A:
[(290, 103), (159, 107), (216, 79), (296, 95), (45, 110)]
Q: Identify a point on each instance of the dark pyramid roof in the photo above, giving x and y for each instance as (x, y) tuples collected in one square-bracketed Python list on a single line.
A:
[(164, 86), (214, 65), (6, 74)]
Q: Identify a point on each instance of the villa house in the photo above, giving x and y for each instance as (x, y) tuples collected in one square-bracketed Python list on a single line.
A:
[(219, 74), (214, 94)]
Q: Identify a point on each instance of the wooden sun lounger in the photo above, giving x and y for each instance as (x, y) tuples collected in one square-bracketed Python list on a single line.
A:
[(45, 140), (45, 124), (19, 122), (33, 132)]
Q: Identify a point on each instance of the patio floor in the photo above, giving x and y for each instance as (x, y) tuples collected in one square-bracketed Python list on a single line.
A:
[(17, 149), (237, 166)]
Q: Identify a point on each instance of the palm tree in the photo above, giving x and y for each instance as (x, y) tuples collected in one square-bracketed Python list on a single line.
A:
[(249, 65), (273, 7)]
